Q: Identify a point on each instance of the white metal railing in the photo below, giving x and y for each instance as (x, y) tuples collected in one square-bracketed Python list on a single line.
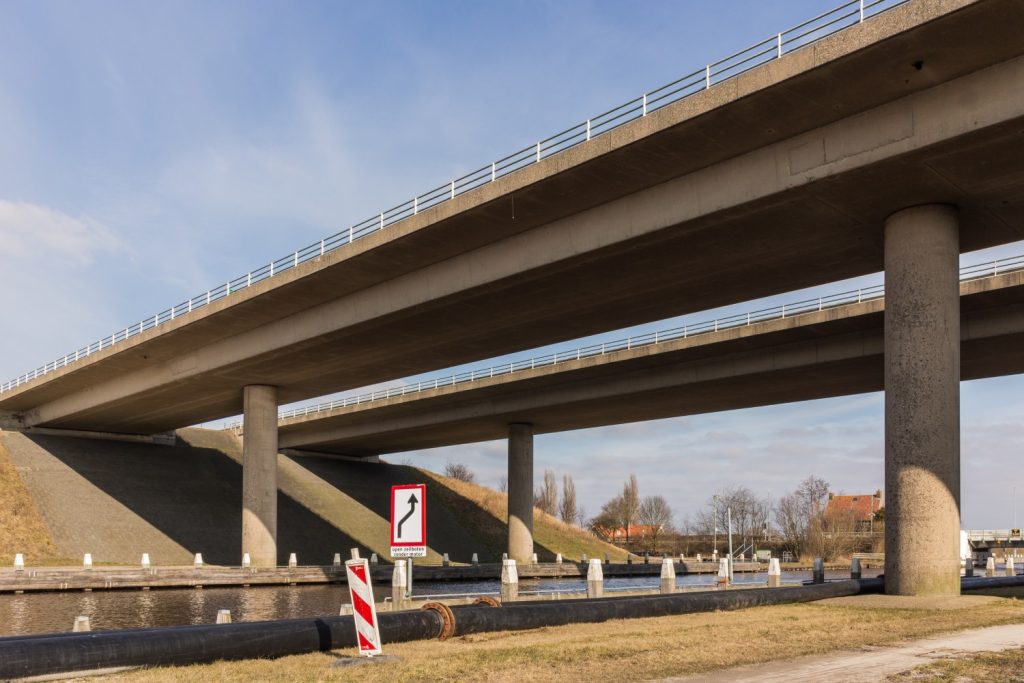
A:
[(844, 16), (827, 301)]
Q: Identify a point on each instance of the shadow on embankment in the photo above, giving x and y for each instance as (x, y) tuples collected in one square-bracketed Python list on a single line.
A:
[(118, 499)]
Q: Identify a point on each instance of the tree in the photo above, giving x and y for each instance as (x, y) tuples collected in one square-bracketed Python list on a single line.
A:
[(503, 484), (630, 503), (798, 516), (567, 507), (460, 472), (655, 512), (546, 497), (611, 517), (749, 515)]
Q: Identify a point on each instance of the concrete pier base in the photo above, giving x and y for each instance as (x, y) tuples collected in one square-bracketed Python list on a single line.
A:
[(259, 475), (922, 402), (520, 492)]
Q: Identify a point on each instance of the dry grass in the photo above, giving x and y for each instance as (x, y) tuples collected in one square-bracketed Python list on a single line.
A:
[(22, 529), (637, 649), (548, 532), (989, 667)]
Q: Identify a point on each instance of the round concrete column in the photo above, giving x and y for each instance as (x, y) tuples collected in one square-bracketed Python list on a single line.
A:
[(520, 492), (922, 402), (259, 475)]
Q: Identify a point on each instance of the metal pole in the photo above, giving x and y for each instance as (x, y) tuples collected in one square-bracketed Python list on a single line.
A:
[(408, 581), (729, 511)]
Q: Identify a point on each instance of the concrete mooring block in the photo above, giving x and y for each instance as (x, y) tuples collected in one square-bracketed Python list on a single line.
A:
[(723, 572), (145, 561), (990, 566), (818, 572), (475, 560), (855, 571), (246, 560), (774, 573), (87, 561), (373, 559), (81, 624), (533, 558), (668, 576), (595, 579), (969, 567), (509, 581), (337, 560), (444, 560), (1011, 570), (19, 562), (198, 562), (223, 616), (558, 558), (293, 561)]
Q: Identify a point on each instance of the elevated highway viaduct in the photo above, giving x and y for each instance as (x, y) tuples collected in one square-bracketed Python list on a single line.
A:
[(895, 144)]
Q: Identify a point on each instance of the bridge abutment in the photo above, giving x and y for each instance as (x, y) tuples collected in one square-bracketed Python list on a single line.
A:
[(259, 475), (922, 402), (520, 492)]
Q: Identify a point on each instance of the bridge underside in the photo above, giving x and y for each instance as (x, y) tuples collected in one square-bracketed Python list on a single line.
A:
[(835, 352)]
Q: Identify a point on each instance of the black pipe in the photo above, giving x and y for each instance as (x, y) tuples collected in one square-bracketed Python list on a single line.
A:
[(524, 615), (63, 652), (977, 583)]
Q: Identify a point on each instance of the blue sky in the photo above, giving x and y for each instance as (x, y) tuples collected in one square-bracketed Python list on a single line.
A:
[(149, 151)]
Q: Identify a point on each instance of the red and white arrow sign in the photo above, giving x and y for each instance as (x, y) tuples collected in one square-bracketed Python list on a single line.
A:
[(363, 611)]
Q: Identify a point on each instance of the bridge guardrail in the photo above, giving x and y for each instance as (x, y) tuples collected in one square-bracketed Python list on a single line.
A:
[(848, 14), (967, 273)]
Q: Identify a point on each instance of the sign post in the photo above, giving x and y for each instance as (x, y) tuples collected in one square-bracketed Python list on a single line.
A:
[(409, 521), (364, 612)]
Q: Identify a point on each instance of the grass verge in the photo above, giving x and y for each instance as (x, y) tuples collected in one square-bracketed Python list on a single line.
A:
[(639, 649), (989, 667)]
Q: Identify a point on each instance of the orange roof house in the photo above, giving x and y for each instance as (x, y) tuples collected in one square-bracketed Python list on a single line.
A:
[(860, 508)]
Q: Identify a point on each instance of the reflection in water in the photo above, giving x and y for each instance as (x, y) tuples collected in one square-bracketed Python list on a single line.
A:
[(56, 612)]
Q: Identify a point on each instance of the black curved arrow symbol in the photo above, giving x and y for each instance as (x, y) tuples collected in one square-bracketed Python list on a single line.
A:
[(412, 509)]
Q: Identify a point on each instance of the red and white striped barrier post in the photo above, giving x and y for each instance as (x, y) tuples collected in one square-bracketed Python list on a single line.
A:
[(364, 613)]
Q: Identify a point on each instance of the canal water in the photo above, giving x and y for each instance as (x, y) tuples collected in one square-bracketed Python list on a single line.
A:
[(55, 612)]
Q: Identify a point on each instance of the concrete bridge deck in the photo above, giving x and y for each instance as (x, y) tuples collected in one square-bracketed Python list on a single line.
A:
[(833, 352), (774, 180)]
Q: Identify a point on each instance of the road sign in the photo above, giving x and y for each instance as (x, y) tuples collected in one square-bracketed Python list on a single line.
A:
[(409, 520), (364, 613)]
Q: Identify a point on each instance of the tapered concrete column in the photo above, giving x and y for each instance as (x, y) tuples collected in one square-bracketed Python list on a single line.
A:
[(922, 402), (520, 492), (259, 475)]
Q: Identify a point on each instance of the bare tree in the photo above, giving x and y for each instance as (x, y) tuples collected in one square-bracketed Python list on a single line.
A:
[(798, 516), (581, 517), (567, 506), (503, 484), (655, 513), (460, 472), (749, 515), (546, 497), (630, 503)]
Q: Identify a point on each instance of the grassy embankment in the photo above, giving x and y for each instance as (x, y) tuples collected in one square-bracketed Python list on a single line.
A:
[(989, 667), (639, 649), (480, 507), (22, 528)]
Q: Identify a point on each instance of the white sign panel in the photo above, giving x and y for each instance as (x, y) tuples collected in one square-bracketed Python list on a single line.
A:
[(409, 520), (364, 612)]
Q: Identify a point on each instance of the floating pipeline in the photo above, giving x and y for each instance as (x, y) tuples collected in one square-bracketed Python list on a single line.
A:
[(38, 655)]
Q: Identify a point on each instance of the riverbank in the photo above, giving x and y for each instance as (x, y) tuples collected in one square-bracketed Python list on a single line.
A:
[(48, 579), (634, 649)]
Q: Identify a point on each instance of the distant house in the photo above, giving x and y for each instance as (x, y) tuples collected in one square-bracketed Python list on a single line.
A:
[(637, 532), (860, 509)]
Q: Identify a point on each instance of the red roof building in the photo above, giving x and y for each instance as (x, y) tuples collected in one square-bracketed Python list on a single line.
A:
[(860, 509)]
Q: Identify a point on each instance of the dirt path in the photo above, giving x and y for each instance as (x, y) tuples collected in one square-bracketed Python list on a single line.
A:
[(873, 663)]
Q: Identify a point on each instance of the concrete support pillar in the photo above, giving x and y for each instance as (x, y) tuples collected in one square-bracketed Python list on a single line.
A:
[(259, 475), (922, 402), (520, 492)]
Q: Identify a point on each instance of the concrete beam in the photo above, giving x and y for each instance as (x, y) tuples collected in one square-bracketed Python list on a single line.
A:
[(259, 475), (520, 492), (834, 352), (922, 402)]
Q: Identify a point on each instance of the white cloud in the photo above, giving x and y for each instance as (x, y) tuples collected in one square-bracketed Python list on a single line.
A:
[(34, 233)]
